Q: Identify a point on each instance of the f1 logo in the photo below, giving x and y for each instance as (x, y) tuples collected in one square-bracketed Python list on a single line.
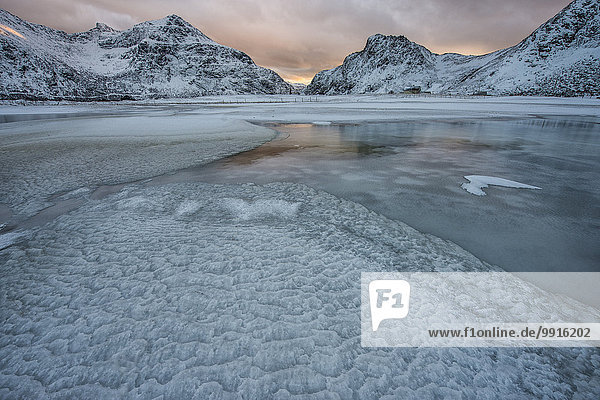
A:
[(389, 299)]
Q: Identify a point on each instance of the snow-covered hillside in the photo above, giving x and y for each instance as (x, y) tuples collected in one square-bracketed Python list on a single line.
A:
[(561, 57), (162, 58)]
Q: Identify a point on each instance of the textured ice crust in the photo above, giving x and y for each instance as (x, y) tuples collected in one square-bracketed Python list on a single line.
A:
[(83, 191), (10, 238), (261, 208), (187, 207), (237, 291), (479, 182)]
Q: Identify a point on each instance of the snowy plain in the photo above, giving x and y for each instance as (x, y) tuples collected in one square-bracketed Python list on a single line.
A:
[(208, 290)]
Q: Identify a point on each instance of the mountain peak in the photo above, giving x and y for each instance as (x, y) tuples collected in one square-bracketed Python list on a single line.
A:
[(578, 23), (171, 28), (172, 19), (560, 58), (163, 58), (389, 43), (102, 27), (380, 38)]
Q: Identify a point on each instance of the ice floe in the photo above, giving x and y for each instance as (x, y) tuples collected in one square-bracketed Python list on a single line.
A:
[(479, 182)]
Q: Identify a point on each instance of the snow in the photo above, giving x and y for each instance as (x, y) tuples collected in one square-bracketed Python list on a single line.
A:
[(187, 207), (562, 58), (261, 208), (84, 191), (231, 291), (169, 58), (128, 297), (162, 58), (43, 157), (99, 144), (479, 182), (10, 238)]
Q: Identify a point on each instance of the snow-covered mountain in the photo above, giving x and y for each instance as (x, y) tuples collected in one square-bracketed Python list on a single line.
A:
[(162, 58), (561, 58), (298, 86)]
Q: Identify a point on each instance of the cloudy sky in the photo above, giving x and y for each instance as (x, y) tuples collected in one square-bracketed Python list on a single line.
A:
[(298, 38)]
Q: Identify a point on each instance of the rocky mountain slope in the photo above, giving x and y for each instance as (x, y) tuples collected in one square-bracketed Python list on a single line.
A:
[(162, 58), (560, 58)]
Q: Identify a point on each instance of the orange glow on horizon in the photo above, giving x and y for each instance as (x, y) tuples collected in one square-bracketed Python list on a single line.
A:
[(300, 79), (292, 76), (5, 30), (306, 78), (465, 50)]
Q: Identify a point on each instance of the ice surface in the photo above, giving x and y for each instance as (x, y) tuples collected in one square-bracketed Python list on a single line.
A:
[(479, 182), (187, 207), (229, 291), (84, 191), (411, 171), (238, 291), (9, 238), (41, 158), (261, 208)]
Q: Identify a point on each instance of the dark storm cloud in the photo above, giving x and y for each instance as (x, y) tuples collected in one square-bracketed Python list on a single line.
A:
[(298, 38)]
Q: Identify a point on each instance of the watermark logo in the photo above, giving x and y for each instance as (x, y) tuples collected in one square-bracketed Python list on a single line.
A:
[(469, 309), (389, 299)]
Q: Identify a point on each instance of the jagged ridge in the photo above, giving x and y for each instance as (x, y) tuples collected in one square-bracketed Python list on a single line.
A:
[(560, 58), (162, 58)]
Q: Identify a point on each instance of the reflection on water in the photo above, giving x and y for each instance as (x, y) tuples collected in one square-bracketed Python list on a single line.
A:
[(412, 172), (306, 139)]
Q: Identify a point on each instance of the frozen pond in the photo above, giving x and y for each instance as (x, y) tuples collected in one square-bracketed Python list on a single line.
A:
[(139, 259), (410, 171), (413, 171)]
